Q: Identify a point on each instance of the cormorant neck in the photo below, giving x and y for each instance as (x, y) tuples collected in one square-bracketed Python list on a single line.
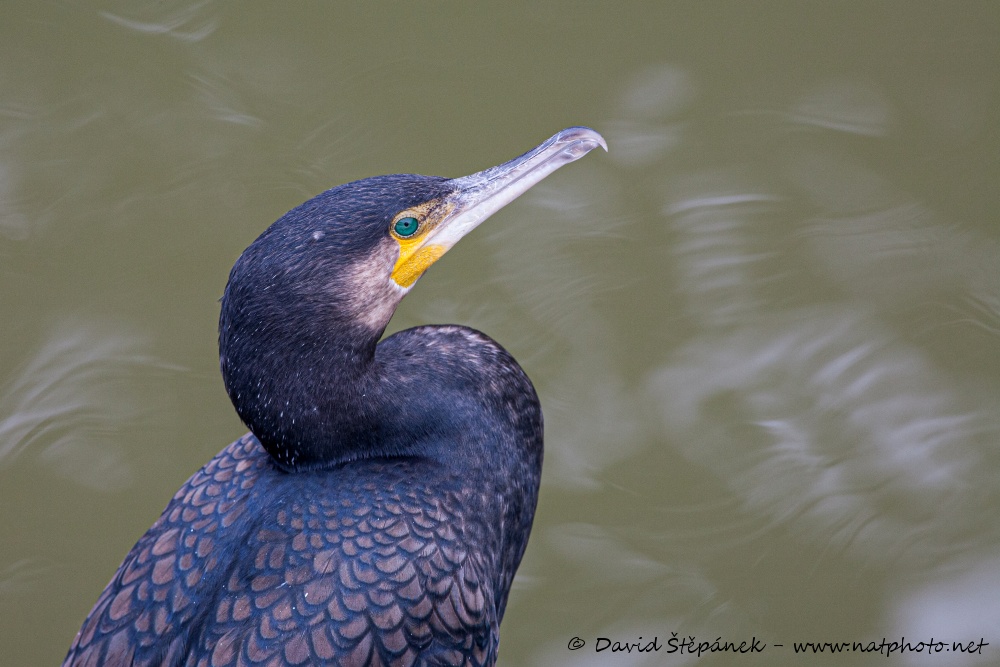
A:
[(319, 401), (301, 384)]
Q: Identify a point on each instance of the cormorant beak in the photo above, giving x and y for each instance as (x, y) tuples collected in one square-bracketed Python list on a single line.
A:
[(478, 196)]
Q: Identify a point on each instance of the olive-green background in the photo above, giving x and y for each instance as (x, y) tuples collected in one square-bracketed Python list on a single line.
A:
[(765, 326)]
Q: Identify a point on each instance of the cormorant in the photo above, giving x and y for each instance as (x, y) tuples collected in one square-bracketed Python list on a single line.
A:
[(380, 505)]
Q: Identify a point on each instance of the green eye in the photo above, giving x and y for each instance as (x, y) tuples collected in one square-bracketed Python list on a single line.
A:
[(405, 227)]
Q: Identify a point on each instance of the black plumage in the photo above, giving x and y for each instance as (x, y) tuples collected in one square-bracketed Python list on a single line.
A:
[(379, 508)]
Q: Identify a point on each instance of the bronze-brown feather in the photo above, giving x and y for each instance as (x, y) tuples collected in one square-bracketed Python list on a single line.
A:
[(313, 580)]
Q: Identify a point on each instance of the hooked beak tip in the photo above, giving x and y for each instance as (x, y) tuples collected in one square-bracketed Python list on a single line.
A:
[(583, 136)]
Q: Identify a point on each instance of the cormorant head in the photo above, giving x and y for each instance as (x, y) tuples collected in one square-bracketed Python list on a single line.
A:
[(338, 265), (308, 300)]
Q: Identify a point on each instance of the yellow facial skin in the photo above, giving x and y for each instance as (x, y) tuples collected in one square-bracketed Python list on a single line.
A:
[(418, 252)]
